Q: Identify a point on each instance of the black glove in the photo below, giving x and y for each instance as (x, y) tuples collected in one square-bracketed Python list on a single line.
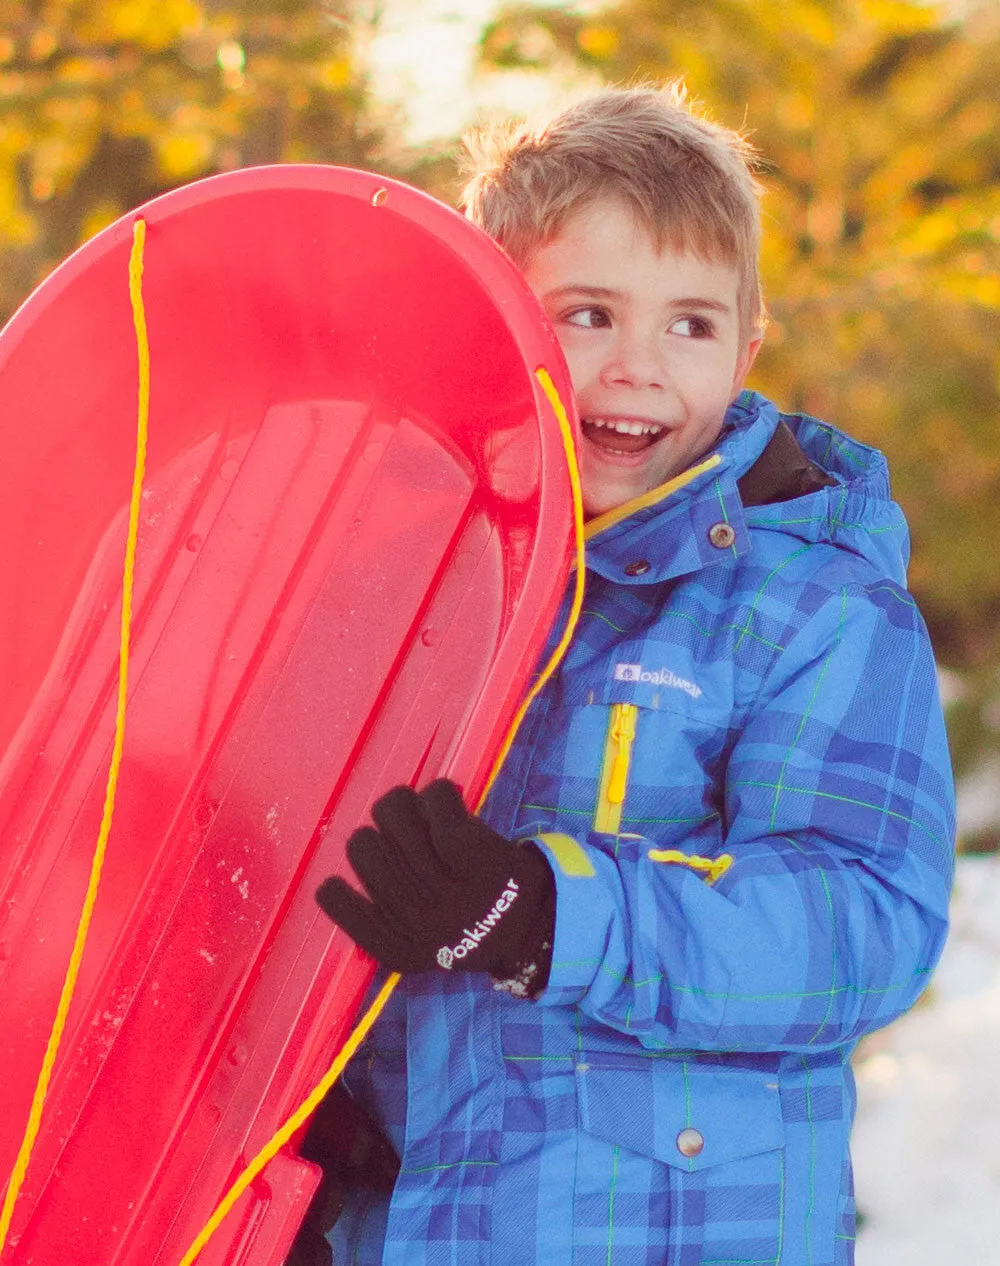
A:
[(354, 1154), (446, 892)]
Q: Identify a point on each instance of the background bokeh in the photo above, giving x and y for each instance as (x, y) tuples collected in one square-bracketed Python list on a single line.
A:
[(878, 122)]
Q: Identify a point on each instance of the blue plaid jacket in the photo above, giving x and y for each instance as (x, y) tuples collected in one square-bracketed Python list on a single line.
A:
[(741, 777)]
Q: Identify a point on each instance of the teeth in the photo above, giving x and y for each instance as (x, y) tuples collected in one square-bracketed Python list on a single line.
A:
[(626, 428)]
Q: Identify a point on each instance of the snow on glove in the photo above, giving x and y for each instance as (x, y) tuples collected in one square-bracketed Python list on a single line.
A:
[(446, 891)]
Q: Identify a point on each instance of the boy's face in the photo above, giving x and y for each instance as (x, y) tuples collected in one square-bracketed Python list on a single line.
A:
[(653, 343)]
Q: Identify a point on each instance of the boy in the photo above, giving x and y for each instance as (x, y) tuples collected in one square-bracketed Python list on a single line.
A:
[(720, 849)]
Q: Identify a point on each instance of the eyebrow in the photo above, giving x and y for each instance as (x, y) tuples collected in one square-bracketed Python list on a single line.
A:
[(607, 292), (699, 301), (595, 292)]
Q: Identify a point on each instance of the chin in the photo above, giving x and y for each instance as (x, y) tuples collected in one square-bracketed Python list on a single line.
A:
[(606, 489), (593, 507), (610, 494)]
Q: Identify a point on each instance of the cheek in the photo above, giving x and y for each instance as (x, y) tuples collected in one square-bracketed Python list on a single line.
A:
[(710, 391), (579, 362)]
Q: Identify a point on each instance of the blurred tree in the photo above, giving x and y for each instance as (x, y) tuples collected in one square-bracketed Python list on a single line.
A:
[(879, 124), (105, 103)]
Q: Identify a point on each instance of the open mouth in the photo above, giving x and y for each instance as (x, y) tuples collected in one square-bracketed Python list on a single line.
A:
[(621, 435)]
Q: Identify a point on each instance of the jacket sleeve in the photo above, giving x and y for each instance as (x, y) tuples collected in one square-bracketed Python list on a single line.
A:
[(837, 806)]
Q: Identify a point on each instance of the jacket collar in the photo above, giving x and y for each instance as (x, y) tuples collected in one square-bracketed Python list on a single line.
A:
[(789, 474), (694, 520)]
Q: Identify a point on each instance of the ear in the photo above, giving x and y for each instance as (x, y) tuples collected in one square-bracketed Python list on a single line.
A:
[(745, 362)]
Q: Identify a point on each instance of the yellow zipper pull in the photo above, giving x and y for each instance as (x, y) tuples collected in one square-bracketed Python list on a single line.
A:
[(623, 735), (615, 767)]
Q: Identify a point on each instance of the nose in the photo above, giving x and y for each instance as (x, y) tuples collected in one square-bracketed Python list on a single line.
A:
[(635, 360)]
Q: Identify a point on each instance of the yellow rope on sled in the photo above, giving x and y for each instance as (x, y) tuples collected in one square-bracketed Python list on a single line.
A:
[(295, 1122), (309, 1105), (580, 574), (73, 970)]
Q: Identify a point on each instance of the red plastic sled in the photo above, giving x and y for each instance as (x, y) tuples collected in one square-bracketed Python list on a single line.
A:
[(355, 533)]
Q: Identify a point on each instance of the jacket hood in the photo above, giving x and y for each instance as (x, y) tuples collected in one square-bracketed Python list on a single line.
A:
[(699, 518)]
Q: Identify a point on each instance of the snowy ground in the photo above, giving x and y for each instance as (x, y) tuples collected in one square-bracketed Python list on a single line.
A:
[(927, 1140)]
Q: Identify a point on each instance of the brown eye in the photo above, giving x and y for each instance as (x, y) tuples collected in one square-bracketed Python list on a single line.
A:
[(692, 327), (589, 318)]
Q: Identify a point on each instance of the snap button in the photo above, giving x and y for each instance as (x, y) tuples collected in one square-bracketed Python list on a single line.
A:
[(638, 568), (690, 1142), (721, 535)]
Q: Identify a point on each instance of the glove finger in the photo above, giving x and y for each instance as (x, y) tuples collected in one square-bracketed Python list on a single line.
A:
[(388, 873), (351, 911), (376, 932), (402, 818), (399, 815), (449, 821), (373, 859)]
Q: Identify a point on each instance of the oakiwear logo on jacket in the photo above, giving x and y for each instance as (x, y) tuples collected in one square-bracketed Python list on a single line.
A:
[(661, 677)]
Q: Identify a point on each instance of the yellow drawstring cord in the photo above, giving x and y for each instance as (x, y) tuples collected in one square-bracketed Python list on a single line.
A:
[(309, 1106), (73, 970), (712, 868)]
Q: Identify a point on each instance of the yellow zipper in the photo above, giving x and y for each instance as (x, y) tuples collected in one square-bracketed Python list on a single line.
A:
[(614, 771)]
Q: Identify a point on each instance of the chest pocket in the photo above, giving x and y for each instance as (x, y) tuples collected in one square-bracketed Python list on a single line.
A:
[(659, 748), (623, 750)]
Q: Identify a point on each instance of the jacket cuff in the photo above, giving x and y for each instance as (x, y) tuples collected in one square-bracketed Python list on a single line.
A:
[(584, 914)]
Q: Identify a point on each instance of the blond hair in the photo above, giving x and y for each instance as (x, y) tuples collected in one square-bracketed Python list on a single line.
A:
[(690, 181)]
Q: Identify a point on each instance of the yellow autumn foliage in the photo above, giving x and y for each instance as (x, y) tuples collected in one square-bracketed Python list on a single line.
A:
[(106, 103)]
